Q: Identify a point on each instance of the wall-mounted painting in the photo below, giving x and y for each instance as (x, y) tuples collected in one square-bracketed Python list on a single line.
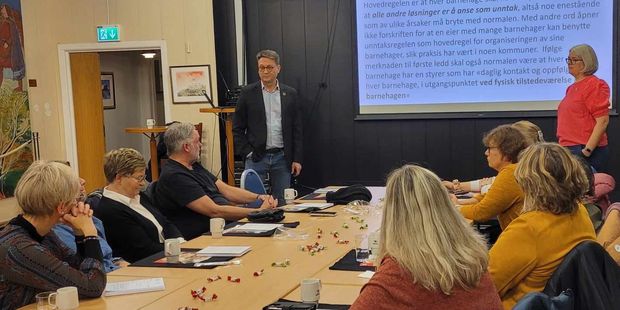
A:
[(107, 90), (191, 84), (15, 131)]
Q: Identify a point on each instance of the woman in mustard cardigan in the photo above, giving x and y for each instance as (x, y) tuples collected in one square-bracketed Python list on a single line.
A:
[(504, 199), (552, 222)]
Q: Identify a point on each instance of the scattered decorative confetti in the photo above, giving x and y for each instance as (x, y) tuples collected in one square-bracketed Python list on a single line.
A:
[(312, 248), (345, 225), (340, 241), (285, 263), (335, 234), (233, 279), (365, 226), (200, 294), (214, 278), (259, 273), (319, 231), (186, 308), (357, 219)]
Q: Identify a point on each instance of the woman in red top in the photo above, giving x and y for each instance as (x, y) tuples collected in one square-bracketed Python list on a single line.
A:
[(583, 114), (430, 257)]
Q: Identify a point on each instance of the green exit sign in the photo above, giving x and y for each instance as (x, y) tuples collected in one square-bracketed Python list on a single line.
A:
[(108, 33)]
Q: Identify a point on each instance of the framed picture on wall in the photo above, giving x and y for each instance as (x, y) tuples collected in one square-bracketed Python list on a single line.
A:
[(191, 84), (107, 90)]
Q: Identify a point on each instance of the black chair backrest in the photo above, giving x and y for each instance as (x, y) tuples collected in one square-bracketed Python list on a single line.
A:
[(592, 275), (94, 198)]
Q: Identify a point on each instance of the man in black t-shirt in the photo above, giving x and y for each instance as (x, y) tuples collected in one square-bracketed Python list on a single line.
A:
[(189, 195)]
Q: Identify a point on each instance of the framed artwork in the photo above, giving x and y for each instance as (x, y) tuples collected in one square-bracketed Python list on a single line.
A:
[(107, 90), (191, 84)]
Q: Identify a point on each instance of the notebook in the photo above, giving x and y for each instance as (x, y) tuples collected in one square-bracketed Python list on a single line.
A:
[(134, 286), (307, 206), (224, 251)]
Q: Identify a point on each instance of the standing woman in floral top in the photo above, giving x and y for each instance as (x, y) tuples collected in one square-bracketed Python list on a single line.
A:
[(583, 114), (32, 258)]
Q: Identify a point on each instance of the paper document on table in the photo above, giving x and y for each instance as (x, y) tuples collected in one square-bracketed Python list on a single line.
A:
[(253, 227), (328, 189), (310, 206), (366, 274), (224, 250), (134, 286)]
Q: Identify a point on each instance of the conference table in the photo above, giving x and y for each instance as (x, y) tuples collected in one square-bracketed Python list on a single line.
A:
[(255, 292)]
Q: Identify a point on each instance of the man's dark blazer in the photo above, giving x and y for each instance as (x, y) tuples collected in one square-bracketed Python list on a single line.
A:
[(131, 235), (250, 123)]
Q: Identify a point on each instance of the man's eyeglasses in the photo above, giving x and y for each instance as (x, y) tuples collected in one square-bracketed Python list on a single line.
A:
[(266, 68), (571, 61)]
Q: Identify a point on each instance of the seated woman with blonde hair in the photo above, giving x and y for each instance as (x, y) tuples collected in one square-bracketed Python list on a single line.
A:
[(552, 222), (430, 257), (32, 257)]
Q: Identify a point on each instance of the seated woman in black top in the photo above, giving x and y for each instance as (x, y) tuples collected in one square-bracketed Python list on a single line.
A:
[(32, 258), (135, 228)]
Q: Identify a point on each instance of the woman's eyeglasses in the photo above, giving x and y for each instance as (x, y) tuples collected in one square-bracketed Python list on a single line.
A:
[(572, 61)]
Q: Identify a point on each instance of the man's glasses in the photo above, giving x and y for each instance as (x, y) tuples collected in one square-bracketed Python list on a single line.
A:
[(266, 68), (571, 61)]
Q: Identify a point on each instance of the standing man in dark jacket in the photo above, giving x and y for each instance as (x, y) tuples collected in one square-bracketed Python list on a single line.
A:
[(268, 126)]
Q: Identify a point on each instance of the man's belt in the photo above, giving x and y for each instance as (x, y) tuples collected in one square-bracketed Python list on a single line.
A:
[(274, 150)]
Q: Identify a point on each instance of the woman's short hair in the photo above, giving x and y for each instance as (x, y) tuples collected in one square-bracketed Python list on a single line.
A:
[(509, 140), (588, 55), (124, 161), (44, 186), (552, 179), (426, 235), (176, 135), (273, 55), (530, 131)]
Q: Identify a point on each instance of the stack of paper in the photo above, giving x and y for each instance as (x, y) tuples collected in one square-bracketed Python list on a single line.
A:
[(252, 228), (135, 286), (313, 206), (224, 251)]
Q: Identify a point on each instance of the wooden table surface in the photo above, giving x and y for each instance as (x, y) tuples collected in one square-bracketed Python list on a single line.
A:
[(341, 287)]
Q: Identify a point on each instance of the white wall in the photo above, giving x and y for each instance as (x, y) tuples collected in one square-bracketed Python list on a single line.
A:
[(132, 93), (185, 25)]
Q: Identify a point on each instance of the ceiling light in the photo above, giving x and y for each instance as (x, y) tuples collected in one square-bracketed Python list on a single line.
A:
[(148, 55)]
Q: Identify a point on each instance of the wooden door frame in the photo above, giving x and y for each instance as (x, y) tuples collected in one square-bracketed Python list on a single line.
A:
[(66, 87)]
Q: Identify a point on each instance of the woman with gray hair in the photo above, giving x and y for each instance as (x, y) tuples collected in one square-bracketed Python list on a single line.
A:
[(135, 228), (32, 258), (583, 114)]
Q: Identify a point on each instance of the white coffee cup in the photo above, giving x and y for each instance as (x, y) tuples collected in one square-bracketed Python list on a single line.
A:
[(66, 298), (216, 226), (289, 195), (150, 123), (310, 290), (172, 247)]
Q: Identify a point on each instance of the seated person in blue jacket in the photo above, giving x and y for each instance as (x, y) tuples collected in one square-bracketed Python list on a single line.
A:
[(189, 195), (135, 228), (65, 233), (32, 258)]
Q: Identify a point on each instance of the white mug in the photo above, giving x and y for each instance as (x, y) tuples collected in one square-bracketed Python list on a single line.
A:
[(150, 123), (216, 226), (66, 298), (289, 195), (172, 247), (310, 290)]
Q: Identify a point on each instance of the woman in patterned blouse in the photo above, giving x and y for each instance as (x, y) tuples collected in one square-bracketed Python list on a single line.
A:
[(32, 258)]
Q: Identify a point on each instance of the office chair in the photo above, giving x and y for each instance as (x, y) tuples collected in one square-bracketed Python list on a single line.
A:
[(251, 181)]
